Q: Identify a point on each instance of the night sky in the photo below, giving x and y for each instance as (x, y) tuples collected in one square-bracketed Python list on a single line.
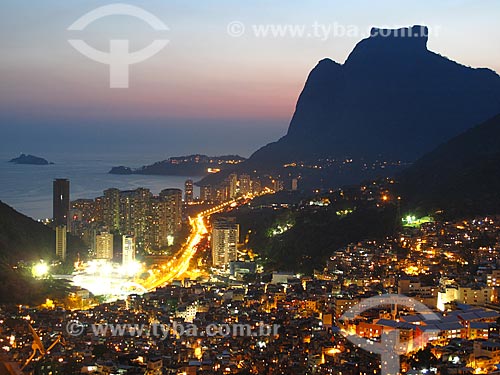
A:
[(207, 91)]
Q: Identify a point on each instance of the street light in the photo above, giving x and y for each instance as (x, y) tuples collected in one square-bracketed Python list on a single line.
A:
[(40, 270)]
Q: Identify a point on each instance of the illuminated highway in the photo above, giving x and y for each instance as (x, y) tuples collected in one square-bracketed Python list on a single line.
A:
[(179, 264)]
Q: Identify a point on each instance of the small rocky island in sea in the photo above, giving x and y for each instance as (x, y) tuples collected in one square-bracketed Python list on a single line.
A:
[(30, 159)]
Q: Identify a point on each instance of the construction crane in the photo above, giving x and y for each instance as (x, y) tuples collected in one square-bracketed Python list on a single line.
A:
[(38, 347), (12, 368)]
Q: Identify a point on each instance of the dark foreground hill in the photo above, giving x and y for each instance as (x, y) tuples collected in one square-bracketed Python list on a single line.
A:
[(462, 176), (22, 238), (23, 241)]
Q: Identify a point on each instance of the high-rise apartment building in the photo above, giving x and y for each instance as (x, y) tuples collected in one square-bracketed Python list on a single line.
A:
[(277, 185), (173, 198), (166, 218), (104, 245), (61, 232), (142, 218), (135, 215), (111, 209), (256, 187), (232, 185), (188, 191), (206, 194), (157, 234), (225, 235), (75, 221), (60, 206), (153, 221), (162, 233), (98, 213), (245, 184), (128, 249)]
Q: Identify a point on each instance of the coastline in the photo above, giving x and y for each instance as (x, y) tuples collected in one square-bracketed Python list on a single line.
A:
[(28, 188)]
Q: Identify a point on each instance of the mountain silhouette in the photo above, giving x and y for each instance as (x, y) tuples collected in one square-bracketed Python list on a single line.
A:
[(461, 176), (392, 99)]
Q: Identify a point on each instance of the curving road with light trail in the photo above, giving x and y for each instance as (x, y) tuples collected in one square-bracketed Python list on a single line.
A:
[(178, 265)]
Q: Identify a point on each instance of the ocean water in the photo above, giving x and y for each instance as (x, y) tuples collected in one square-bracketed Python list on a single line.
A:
[(28, 188)]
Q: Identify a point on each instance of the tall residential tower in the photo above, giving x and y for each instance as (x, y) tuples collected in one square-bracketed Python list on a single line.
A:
[(128, 250), (188, 191), (60, 207), (225, 235)]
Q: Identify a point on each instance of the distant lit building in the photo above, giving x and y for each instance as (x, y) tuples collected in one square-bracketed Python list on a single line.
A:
[(104, 245), (127, 211), (60, 205), (188, 191), (295, 184), (256, 187), (475, 295), (135, 213), (141, 218), (206, 193), (166, 218), (282, 277), (187, 312), (225, 235), (245, 184), (75, 219), (154, 221), (343, 304), (98, 209), (61, 232), (48, 366), (232, 184), (217, 194), (173, 198), (111, 209), (154, 366), (277, 185), (493, 278), (88, 208), (471, 295), (158, 224), (128, 249), (85, 217), (242, 268), (223, 192)]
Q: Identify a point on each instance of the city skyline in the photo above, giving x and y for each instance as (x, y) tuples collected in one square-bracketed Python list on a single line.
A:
[(250, 188)]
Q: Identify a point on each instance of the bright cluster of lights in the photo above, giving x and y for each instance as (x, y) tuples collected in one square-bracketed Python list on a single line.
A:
[(40, 270), (105, 267), (280, 229), (413, 221), (102, 277), (409, 219), (131, 269)]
